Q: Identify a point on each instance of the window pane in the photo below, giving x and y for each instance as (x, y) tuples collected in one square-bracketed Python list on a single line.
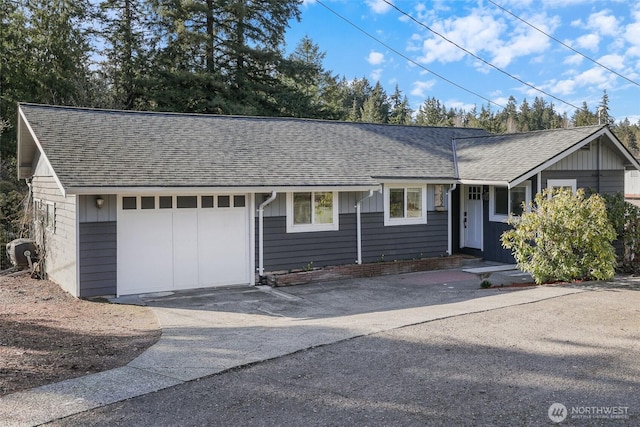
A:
[(396, 203), (224, 201), (129, 203), (238, 201), (414, 203), (166, 202), (148, 202), (323, 204), (206, 201), (518, 195), (501, 201), (187, 202), (302, 208)]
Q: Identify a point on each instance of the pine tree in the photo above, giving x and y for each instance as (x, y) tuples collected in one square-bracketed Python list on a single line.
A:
[(376, 106), (400, 111)]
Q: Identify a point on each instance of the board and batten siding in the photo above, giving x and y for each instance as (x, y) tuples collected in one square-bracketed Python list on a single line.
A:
[(587, 159), (291, 251), (98, 246), (59, 241), (606, 181)]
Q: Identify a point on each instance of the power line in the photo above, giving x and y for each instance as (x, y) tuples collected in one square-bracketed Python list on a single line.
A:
[(406, 57), (565, 45), (479, 58)]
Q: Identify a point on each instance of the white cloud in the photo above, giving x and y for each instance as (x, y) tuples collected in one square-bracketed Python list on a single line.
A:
[(375, 58), (563, 87), (376, 74), (588, 41), (573, 60), (378, 6), (632, 35), (613, 61), (604, 23), (474, 32), (420, 88)]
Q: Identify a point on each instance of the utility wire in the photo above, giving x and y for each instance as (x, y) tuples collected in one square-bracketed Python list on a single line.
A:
[(397, 52), (477, 57), (564, 44)]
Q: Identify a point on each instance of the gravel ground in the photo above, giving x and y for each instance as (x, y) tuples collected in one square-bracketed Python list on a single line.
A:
[(501, 367)]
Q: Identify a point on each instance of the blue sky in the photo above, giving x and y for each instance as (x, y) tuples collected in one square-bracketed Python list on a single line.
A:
[(606, 31)]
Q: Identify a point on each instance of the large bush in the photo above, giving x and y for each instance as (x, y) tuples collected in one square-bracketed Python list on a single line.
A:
[(625, 218), (564, 237)]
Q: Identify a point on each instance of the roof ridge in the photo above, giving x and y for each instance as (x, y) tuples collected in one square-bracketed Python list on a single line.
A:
[(234, 116)]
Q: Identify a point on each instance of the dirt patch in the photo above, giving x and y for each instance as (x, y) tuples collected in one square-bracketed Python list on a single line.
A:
[(46, 335)]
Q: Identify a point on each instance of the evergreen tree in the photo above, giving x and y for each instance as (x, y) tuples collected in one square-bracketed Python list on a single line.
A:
[(603, 111), (126, 51), (584, 117), (400, 111), (376, 106), (356, 93)]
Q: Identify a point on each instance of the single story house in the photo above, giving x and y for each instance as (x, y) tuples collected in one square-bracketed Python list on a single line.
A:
[(130, 202)]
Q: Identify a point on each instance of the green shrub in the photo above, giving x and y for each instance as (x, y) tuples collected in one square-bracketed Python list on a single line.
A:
[(625, 218), (564, 237)]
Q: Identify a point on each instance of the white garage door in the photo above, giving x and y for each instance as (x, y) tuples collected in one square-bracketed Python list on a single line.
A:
[(182, 242)]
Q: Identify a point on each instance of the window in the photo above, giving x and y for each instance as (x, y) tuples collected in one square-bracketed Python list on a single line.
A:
[(224, 201), (51, 216), (186, 202), (147, 202), (569, 184), (405, 204), (312, 211), (166, 202), (206, 201), (504, 201), (129, 203), (238, 202)]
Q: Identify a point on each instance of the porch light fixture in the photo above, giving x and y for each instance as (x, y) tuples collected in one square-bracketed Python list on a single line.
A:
[(99, 202)]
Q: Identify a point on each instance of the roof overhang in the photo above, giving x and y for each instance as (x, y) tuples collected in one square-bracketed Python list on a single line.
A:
[(484, 182), (216, 190), (26, 148), (604, 131)]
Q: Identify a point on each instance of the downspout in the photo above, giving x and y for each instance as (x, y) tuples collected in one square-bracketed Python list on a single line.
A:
[(450, 219), (261, 233), (359, 226)]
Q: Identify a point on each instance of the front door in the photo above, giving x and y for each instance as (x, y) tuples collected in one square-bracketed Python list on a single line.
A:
[(472, 216)]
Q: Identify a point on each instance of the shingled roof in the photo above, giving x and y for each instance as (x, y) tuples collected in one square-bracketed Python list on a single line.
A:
[(506, 158), (91, 148)]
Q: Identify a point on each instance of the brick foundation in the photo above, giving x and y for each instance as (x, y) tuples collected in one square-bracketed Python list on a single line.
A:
[(353, 271)]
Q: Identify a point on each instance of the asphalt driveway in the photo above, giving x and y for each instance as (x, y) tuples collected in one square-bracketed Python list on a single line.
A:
[(357, 356)]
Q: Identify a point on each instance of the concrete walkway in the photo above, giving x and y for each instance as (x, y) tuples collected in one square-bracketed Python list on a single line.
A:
[(210, 331)]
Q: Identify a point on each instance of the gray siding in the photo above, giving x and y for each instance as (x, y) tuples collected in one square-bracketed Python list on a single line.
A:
[(288, 251), (88, 212), (58, 240), (590, 159), (98, 269), (609, 181)]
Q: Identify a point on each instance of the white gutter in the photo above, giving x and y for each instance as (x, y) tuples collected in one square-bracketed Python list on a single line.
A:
[(450, 219), (261, 232), (359, 226)]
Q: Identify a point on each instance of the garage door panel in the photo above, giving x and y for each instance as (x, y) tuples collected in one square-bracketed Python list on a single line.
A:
[(223, 247), (145, 255), (185, 249)]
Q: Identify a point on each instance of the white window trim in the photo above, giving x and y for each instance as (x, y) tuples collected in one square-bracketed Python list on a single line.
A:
[(307, 228), (50, 207), (493, 217), (558, 183), (388, 221)]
